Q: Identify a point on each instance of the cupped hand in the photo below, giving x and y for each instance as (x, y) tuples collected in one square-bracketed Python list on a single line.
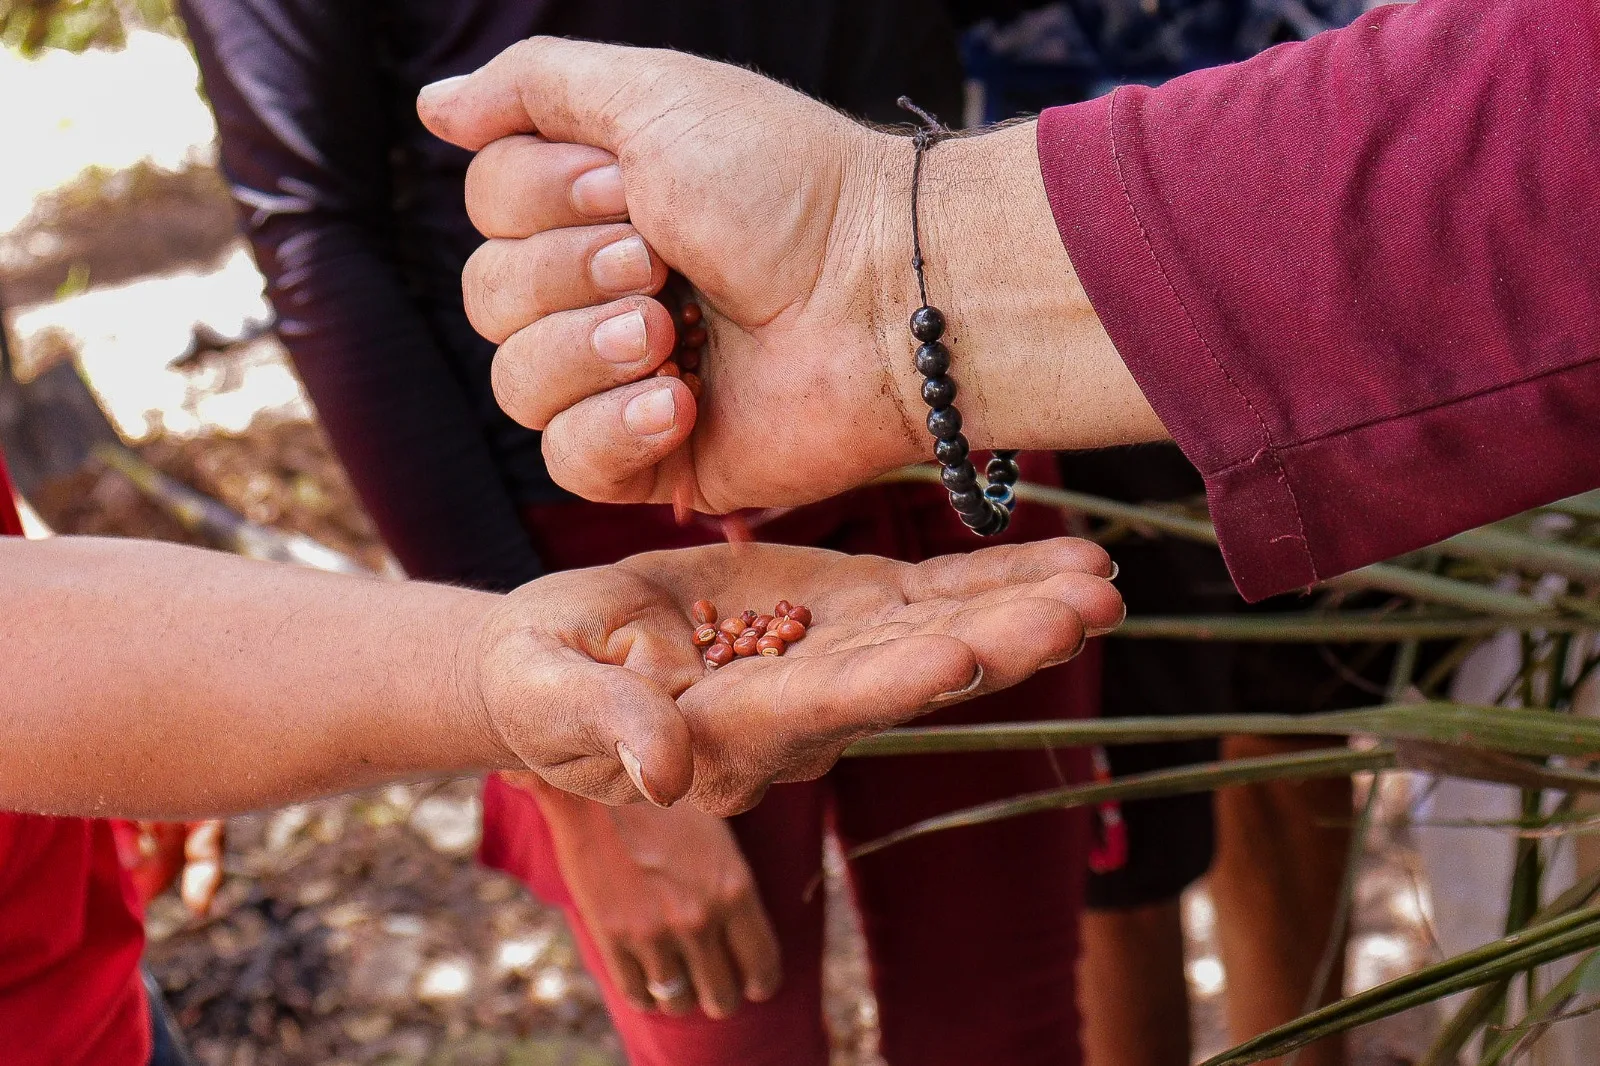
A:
[(669, 901), (591, 679), (763, 198)]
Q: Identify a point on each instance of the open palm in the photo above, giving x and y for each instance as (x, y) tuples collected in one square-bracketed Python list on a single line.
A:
[(580, 662)]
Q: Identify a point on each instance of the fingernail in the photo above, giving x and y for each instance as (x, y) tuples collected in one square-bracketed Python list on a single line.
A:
[(598, 194), (969, 689), (438, 92), (630, 763), (651, 412), (623, 266), (1115, 569), (621, 339)]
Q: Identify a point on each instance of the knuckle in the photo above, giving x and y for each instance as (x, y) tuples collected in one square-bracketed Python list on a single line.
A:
[(690, 920), (524, 52), (480, 198), (734, 889), (509, 377), (477, 290)]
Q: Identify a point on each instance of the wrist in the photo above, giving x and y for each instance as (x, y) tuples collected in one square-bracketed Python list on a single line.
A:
[(1029, 357), (463, 686)]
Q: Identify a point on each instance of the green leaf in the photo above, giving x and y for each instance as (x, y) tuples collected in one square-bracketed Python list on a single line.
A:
[(1331, 627), (1505, 729), (1500, 960), (1199, 778)]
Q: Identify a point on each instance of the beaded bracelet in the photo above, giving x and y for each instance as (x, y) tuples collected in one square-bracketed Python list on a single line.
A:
[(986, 510)]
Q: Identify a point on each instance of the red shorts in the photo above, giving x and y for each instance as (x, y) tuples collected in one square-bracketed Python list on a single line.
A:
[(972, 933)]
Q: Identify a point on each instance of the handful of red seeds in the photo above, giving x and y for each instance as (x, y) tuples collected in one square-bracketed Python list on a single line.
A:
[(740, 636)]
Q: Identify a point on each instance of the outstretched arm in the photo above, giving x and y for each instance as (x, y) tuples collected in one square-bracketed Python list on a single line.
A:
[(143, 679)]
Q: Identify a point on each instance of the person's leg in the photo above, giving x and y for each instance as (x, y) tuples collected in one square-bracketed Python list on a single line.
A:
[(973, 932), (1132, 989), (1280, 860)]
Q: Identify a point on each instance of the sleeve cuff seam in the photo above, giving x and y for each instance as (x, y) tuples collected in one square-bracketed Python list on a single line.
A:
[(1268, 450)]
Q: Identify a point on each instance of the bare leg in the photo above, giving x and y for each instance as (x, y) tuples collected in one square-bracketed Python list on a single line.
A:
[(1131, 987), (1280, 860)]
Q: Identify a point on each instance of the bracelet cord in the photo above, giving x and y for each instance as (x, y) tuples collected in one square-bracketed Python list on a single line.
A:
[(984, 508)]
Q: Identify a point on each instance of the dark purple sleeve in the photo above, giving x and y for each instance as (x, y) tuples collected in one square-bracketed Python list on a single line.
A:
[(306, 130), (1358, 278)]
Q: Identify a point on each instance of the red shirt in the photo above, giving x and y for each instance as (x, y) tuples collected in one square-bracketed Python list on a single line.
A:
[(1358, 278), (70, 935)]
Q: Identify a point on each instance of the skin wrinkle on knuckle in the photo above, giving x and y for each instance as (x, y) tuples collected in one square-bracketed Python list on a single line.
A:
[(506, 385)]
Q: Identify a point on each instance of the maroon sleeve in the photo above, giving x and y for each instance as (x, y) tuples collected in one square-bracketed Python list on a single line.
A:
[(1358, 278)]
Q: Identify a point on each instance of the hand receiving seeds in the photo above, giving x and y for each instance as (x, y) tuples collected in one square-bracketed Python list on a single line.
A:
[(598, 679)]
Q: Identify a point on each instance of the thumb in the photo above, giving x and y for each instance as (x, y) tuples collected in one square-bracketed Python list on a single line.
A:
[(634, 726), (570, 91)]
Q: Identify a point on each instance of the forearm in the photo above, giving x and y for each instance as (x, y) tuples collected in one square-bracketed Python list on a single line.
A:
[(146, 679)]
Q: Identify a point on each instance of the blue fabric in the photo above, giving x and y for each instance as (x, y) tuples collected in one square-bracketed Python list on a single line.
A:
[(1079, 49)]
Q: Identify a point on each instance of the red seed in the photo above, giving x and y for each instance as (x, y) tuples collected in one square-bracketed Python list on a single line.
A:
[(688, 358), (669, 369), (723, 638), (705, 636), (704, 612), (745, 646), (694, 337), (693, 382), (782, 609), (753, 633), (749, 617), (790, 630), (719, 655), (771, 644), (691, 314), (763, 622), (733, 627), (801, 615)]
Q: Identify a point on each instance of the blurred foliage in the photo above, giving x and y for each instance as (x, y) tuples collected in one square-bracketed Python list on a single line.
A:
[(32, 26)]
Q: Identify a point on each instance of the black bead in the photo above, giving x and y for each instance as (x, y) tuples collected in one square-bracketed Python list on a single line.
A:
[(927, 323), (944, 422), (938, 392), (993, 521), (971, 502), (933, 359), (952, 452), (1001, 472), (959, 478)]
